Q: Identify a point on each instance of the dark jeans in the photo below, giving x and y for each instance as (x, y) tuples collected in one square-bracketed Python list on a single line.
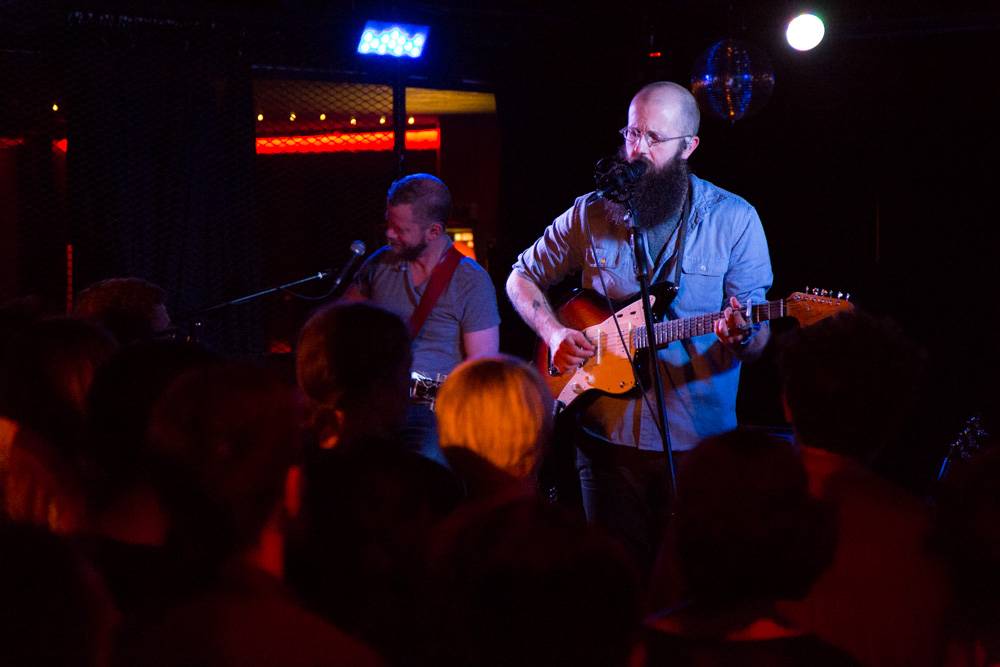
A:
[(420, 433), (626, 491)]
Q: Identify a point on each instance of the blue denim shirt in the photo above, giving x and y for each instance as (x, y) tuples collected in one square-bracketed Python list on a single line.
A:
[(725, 254)]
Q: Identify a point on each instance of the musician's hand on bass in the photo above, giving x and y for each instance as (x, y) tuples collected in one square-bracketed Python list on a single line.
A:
[(570, 348)]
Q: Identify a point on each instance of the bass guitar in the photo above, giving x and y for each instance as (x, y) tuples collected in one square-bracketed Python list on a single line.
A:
[(620, 334)]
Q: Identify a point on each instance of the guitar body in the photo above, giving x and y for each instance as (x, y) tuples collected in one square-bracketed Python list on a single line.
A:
[(609, 371)]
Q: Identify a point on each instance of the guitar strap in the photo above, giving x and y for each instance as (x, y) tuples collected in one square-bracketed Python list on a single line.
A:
[(436, 285), (679, 246)]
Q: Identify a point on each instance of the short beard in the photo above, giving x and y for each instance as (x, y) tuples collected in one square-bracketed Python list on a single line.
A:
[(659, 194), (411, 253)]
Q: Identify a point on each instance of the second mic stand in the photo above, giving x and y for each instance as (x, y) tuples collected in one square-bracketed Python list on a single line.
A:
[(638, 242), (197, 318)]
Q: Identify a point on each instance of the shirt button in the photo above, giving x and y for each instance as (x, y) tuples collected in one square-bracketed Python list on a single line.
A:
[(703, 267), (604, 261)]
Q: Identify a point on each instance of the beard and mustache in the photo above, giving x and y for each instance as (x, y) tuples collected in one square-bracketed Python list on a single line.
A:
[(658, 195), (408, 253)]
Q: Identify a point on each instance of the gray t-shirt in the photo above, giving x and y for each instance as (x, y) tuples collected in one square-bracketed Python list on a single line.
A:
[(468, 303)]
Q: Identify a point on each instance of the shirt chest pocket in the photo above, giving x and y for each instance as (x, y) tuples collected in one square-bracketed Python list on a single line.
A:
[(603, 257), (705, 266), (609, 268), (702, 282)]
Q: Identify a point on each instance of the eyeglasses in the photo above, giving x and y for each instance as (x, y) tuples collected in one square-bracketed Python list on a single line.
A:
[(632, 136)]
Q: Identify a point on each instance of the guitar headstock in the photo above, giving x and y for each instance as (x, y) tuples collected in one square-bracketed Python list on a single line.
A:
[(813, 305)]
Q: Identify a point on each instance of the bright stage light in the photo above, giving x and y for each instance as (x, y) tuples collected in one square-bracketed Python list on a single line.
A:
[(399, 40), (805, 32)]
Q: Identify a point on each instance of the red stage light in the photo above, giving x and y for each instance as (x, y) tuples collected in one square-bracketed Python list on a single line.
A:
[(337, 142)]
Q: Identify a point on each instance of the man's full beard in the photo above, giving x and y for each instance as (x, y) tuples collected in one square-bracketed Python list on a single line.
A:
[(659, 194)]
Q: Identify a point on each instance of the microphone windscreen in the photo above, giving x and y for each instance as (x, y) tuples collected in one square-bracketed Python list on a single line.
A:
[(633, 171)]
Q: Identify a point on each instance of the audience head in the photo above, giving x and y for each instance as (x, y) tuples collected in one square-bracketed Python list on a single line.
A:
[(499, 408), (525, 583), (132, 309), (849, 383), (224, 438), (353, 363), (55, 608), (745, 525), (47, 371), (119, 404), (968, 536)]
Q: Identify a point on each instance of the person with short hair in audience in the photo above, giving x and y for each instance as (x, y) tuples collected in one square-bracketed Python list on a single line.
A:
[(849, 382), (967, 534), (369, 501), (132, 309), (746, 533), (55, 610), (352, 362), (504, 588), (494, 420), (46, 371), (227, 440), (128, 523)]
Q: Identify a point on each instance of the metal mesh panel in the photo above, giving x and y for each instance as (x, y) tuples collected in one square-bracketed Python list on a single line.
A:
[(143, 166), (324, 159), (32, 167)]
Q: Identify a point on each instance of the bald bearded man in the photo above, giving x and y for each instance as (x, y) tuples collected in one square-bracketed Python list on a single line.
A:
[(708, 240)]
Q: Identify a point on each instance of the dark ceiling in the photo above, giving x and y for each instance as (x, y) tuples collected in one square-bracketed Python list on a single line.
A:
[(493, 41)]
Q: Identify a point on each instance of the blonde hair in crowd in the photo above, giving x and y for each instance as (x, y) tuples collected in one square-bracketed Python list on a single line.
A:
[(498, 407)]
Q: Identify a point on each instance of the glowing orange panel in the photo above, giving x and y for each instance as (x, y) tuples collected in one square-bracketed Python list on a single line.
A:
[(337, 142)]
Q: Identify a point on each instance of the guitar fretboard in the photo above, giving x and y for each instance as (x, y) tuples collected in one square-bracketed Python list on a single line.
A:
[(699, 325)]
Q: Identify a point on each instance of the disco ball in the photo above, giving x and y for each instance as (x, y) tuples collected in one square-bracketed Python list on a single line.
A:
[(732, 79)]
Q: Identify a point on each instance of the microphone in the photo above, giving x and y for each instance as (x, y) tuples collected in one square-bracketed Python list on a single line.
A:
[(616, 177), (357, 250)]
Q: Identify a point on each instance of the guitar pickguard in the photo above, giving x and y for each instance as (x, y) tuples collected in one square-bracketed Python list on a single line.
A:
[(610, 369)]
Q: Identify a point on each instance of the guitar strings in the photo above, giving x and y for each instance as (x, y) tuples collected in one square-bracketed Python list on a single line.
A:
[(674, 330)]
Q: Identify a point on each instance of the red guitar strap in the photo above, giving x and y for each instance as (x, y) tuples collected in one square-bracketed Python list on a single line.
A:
[(436, 285)]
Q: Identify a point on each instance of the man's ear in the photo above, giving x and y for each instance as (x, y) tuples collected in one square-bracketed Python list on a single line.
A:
[(784, 406), (332, 430), (692, 143), (294, 490), (434, 230)]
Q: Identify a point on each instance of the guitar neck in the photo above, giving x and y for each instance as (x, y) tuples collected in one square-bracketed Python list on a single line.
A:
[(699, 325)]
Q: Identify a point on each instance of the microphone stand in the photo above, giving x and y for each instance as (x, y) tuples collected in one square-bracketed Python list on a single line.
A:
[(638, 242), (197, 317)]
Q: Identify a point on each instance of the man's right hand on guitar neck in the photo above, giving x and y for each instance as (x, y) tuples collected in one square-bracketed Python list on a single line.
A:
[(569, 349)]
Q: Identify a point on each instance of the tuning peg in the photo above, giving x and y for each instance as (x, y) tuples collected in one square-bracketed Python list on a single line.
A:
[(847, 296), (840, 295), (806, 289)]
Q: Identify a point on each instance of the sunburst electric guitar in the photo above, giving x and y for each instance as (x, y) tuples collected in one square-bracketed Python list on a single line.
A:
[(620, 335)]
